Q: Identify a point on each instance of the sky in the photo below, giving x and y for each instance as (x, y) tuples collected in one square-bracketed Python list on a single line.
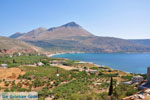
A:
[(128, 19)]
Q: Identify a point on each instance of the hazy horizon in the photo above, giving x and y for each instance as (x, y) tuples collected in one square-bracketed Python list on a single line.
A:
[(127, 19)]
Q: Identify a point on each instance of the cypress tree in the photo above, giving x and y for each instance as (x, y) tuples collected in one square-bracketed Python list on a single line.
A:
[(14, 61), (111, 87)]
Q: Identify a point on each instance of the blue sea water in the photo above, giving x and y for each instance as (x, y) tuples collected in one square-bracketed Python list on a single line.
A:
[(134, 63)]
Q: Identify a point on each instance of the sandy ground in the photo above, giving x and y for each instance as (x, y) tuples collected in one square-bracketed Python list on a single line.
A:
[(10, 73)]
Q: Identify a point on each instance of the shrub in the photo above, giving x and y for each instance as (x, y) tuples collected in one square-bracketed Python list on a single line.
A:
[(6, 90), (122, 91), (128, 77)]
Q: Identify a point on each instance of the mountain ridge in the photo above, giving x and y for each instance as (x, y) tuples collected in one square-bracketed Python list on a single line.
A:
[(67, 30), (145, 42), (73, 37)]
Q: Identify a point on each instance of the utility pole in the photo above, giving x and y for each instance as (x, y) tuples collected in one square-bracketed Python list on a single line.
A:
[(57, 73)]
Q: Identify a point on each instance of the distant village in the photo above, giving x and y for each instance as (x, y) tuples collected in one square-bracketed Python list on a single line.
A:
[(142, 85)]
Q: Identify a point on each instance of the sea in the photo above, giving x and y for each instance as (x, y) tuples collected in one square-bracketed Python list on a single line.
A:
[(128, 62)]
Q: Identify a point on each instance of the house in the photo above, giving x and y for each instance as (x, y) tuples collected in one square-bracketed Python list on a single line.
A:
[(40, 64), (146, 85), (3, 66), (19, 54), (137, 79), (10, 56), (59, 62), (91, 71)]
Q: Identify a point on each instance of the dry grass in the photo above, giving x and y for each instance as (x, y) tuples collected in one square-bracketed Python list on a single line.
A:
[(10, 73)]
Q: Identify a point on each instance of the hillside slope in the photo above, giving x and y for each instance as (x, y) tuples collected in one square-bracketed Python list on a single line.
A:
[(8, 45), (92, 44)]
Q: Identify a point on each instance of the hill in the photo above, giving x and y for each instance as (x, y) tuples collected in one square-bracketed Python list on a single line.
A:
[(91, 44), (8, 45), (72, 37)]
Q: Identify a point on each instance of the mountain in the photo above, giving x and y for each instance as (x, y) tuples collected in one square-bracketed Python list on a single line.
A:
[(67, 30), (16, 35), (72, 37), (11, 46), (145, 42)]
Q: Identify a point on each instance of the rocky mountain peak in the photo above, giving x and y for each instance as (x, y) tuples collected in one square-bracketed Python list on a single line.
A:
[(71, 24)]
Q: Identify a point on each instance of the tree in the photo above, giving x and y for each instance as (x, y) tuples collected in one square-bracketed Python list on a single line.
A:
[(30, 86), (111, 87), (13, 83), (45, 62), (14, 61), (19, 85), (6, 83), (6, 90)]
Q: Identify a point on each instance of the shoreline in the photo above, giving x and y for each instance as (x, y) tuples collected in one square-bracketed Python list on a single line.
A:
[(53, 54), (79, 60), (85, 61), (99, 65)]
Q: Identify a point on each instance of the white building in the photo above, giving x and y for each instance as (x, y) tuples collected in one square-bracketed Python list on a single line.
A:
[(3, 66), (137, 79), (40, 64), (146, 85), (91, 71)]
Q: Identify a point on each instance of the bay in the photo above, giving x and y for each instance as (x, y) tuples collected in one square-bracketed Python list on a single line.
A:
[(134, 62)]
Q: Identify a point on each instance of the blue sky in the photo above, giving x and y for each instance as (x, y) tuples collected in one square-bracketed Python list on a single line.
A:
[(116, 18)]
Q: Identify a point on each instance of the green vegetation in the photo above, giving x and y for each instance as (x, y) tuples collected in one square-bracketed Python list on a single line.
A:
[(69, 63), (69, 85), (15, 61), (122, 91), (128, 77), (48, 72), (66, 90), (45, 62)]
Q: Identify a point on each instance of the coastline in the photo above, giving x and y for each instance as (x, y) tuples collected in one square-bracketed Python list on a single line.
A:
[(138, 71), (89, 62), (53, 54)]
